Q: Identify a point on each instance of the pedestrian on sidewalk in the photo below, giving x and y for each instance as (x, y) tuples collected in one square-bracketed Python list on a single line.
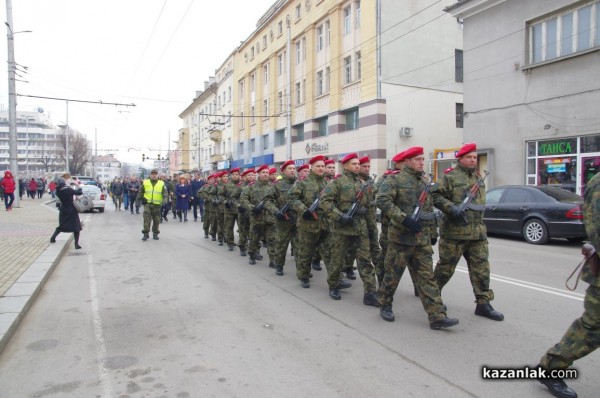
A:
[(68, 218), (32, 188), (52, 188), (8, 187)]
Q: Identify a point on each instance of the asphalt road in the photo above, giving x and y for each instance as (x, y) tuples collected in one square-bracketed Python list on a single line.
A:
[(183, 317)]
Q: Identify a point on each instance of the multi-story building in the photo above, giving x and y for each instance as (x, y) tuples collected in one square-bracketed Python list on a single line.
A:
[(38, 146), (106, 168), (532, 89)]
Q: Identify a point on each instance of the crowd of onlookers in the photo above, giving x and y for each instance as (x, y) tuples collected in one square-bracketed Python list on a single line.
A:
[(33, 188)]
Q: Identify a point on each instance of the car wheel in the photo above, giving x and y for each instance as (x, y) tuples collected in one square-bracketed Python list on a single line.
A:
[(535, 232), (101, 209)]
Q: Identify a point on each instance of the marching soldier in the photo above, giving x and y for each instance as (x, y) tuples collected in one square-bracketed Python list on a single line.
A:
[(243, 215), (303, 171), (214, 205), (349, 231), (221, 182), (463, 232), (262, 223), (410, 240), (152, 194), (231, 192), (329, 174), (204, 194), (313, 226), (286, 217)]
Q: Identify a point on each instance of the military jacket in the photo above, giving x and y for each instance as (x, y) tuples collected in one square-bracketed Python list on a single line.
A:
[(256, 192), (397, 199), (338, 197), (221, 196), (591, 220), (370, 193), (203, 193), (231, 195), (212, 196), (302, 195), (279, 197), (451, 190), (245, 186)]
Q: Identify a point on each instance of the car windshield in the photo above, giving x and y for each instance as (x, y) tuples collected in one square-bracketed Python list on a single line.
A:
[(561, 195)]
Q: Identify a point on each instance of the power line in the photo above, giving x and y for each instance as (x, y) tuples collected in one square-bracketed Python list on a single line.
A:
[(76, 100)]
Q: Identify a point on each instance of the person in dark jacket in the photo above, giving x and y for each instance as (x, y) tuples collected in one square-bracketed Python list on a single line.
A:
[(68, 218), (183, 194)]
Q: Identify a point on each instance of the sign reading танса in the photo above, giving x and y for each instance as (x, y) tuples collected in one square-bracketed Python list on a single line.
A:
[(557, 147)]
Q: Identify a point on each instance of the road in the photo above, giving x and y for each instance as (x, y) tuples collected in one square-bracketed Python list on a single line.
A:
[(183, 317)]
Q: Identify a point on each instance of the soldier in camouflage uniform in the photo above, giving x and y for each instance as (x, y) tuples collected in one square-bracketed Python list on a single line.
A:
[(329, 173), (313, 227), (460, 238), (286, 221), (262, 223), (214, 205), (348, 232), (203, 193), (410, 240), (583, 336), (248, 177), (231, 193), (222, 181)]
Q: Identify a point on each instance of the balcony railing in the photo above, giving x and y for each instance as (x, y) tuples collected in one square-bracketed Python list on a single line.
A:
[(216, 135), (216, 158)]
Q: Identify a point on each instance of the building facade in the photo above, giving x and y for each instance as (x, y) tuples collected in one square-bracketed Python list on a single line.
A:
[(532, 89)]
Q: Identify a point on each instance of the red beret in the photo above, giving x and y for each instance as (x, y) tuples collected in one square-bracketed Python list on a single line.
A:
[(286, 164), (303, 167), (364, 159), (248, 171), (318, 158), (329, 161), (236, 170), (217, 174), (337, 176), (466, 149), (399, 157), (272, 170), (210, 176), (413, 151), (261, 168), (349, 157)]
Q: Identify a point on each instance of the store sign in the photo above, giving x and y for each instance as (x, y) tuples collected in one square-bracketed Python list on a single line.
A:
[(557, 147), (316, 149)]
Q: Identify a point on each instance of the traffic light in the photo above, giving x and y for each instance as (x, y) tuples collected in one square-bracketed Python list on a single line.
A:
[(143, 157), (158, 157), (119, 164)]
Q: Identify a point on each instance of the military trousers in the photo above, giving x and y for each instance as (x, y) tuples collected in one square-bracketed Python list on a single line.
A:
[(476, 254), (220, 223), (259, 229), (420, 262), (286, 234), (383, 243), (310, 242), (581, 338), (229, 220), (151, 216), (340, 245), (244, 230), (206, 220), (213, 221)]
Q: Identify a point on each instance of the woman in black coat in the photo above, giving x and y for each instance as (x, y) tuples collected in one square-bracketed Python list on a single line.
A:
[(68, 218)]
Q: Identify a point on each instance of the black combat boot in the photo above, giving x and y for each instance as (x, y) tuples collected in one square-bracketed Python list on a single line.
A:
[(271, 264), (230, 248), (205, 235), (334, 293), (220, 243), (279, 270), (371, 299), (344, 285), (316, 265), (242, 252), (214, 238), (258, 256), (443, 323), (155, 236), (350, 274), (415, 290), (145, 237), (252, 260), (488, 311), (305, 283), (386, 313), (557, 387)]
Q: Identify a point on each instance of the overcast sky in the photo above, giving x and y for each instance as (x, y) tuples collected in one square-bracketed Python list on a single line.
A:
[(152, 53)]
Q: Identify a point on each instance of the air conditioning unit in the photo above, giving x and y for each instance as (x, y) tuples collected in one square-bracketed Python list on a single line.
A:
[(406, 131)]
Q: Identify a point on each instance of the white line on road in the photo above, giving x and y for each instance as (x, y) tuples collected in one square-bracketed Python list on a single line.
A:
[(532, 286)]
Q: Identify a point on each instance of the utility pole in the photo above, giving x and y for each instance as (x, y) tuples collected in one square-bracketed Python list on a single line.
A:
[(12, 100), (288, 136)]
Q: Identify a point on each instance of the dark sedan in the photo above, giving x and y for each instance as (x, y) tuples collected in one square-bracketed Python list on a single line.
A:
[(535, 213)]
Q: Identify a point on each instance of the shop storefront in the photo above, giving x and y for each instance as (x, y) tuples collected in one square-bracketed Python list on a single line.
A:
[(568, 163)]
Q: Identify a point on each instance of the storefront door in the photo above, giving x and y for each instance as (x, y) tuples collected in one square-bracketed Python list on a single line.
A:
[(590, 165)]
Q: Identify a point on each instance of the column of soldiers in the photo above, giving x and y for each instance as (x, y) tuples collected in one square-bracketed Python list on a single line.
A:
[(329, 218)]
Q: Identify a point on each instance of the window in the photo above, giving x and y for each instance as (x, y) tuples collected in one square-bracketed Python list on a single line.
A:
[(320, 83), (347, 70), (358, 65), (265, 41), (298, 11), (252, 52), (298, 53), (298, 93), (242, 118), (458, 65), (242, 91), (323, 128), (280, 137), (563, 34), (357, 14), (279, 64), (252, 83), (327, 79), (320, 38), (252, 114), (280, 101), (280, 28), (459, 115), (265, 140), (299, 130), (265, 108), (351, 119), (242, 149), (347, 20), (252, 145), (266, 73), (327, 33), (304, 48)]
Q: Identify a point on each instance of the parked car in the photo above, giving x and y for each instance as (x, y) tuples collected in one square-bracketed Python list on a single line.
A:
[(96, 195), (535, 213)]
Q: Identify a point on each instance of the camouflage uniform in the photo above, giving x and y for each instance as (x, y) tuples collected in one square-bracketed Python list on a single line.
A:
[(286, 229), (336, 200), (214, 207), (396, 199), (221, 212), (243, 221), (313, 235), (583, 337), (231, 194), (383, 239), (203, 193), (459, 239), (262, 224)]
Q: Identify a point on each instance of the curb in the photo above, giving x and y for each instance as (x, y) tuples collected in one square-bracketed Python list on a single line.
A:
[(20, 296)]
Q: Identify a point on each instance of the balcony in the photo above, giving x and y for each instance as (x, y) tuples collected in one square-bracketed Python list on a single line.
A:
[(216, 135), (216, 158)]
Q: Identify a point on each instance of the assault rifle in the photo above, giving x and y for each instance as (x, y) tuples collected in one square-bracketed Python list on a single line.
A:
[(314, 206), (418, 213), (284, 209), (471, 194), (259, 207), (355, 205)]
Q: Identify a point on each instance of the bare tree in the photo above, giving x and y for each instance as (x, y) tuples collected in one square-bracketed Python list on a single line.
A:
[(79, 150)]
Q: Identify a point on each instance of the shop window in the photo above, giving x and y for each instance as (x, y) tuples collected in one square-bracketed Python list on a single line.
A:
[(351, 119)]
